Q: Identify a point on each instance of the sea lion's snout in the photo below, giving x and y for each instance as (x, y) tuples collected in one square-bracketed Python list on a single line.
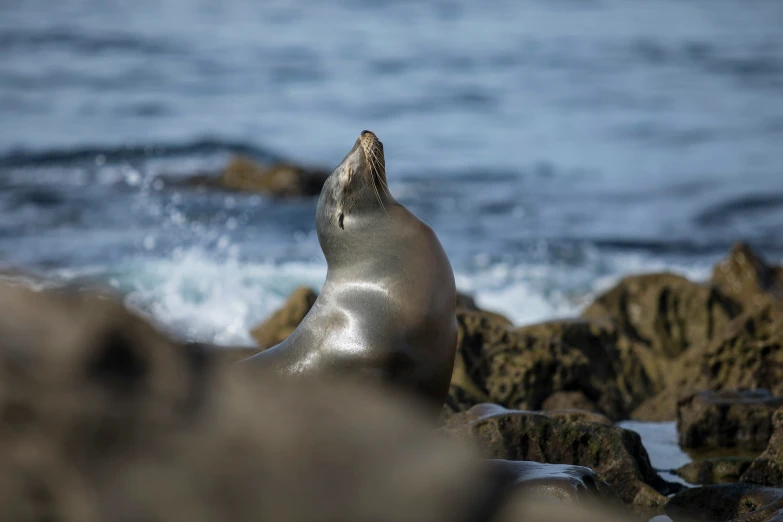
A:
[(359, 181), (369, 140)]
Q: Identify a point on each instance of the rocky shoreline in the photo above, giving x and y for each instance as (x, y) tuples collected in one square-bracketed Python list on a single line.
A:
[(87, 388), (655, 347)]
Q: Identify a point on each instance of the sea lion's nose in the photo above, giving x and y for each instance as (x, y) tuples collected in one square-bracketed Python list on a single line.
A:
[(366, 132)]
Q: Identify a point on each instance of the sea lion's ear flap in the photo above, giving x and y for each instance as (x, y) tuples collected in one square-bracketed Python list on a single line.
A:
[(340, 220)]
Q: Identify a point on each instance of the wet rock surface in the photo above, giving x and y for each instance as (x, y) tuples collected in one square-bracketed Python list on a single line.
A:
[(569, 485), (726, 419), (615, 454), (722, 503), (718, 470), (767, 468)]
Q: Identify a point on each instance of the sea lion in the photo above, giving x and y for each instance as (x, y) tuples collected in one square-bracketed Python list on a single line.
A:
[(387, 307)]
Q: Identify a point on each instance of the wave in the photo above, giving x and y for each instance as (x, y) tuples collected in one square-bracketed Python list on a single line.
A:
[(722, 213), (132, 152), (59, 38), (195, 294)]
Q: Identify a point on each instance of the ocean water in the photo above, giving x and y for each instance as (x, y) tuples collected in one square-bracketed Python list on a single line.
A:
[(554, 146)]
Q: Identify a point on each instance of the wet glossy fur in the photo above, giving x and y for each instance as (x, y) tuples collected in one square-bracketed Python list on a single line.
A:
[(387, 308)]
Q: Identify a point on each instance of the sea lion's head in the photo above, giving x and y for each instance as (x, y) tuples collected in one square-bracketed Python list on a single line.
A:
[(357, 187)]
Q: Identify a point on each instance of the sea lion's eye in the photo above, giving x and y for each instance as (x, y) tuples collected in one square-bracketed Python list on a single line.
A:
[(340, 220)]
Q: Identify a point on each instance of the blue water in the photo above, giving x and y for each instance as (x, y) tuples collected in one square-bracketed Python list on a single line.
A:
[(553, 145)]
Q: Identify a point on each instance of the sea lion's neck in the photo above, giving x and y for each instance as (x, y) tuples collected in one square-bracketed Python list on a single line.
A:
[(363, 233)]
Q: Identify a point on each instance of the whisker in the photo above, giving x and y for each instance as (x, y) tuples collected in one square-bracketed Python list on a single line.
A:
[(382, 182), (373, 174)]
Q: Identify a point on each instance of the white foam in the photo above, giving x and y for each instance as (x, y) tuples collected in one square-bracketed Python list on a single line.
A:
[(215, 300), (213, 296)]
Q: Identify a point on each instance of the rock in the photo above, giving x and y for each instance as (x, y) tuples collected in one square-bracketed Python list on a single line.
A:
[(572, 364), (281, 179), (719, 470), (278, 179), (662, 407), (576, 415), (228, 354), (772, 512), (102, 418), (623, 371), (726, 419), (569, 485), (617, 455), (277, 327), (466, 301), (495, 363), (666, 312), (565, 400), (747, 278), (521, 508), (767, 468), (747, 356), (720, 503)]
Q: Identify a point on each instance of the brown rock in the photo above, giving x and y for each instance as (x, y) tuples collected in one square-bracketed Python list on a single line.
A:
[(623, 371), (720, 503), (569, 415), (726, 419), (617, 455), (277, 327), (767, 469), (104, 418), (497, 364), (521, 508), (278, 179), (664, 311), (661, 407), (748, 355), (569, 400), (573, 364), (747, 278), (719, 470), (772, 512), (228, 354)]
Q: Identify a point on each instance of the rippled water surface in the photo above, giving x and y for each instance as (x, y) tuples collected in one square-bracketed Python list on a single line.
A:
[(553, 145)]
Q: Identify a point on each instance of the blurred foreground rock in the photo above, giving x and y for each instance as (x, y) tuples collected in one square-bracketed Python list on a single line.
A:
[(615, 454), (103, 418)]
